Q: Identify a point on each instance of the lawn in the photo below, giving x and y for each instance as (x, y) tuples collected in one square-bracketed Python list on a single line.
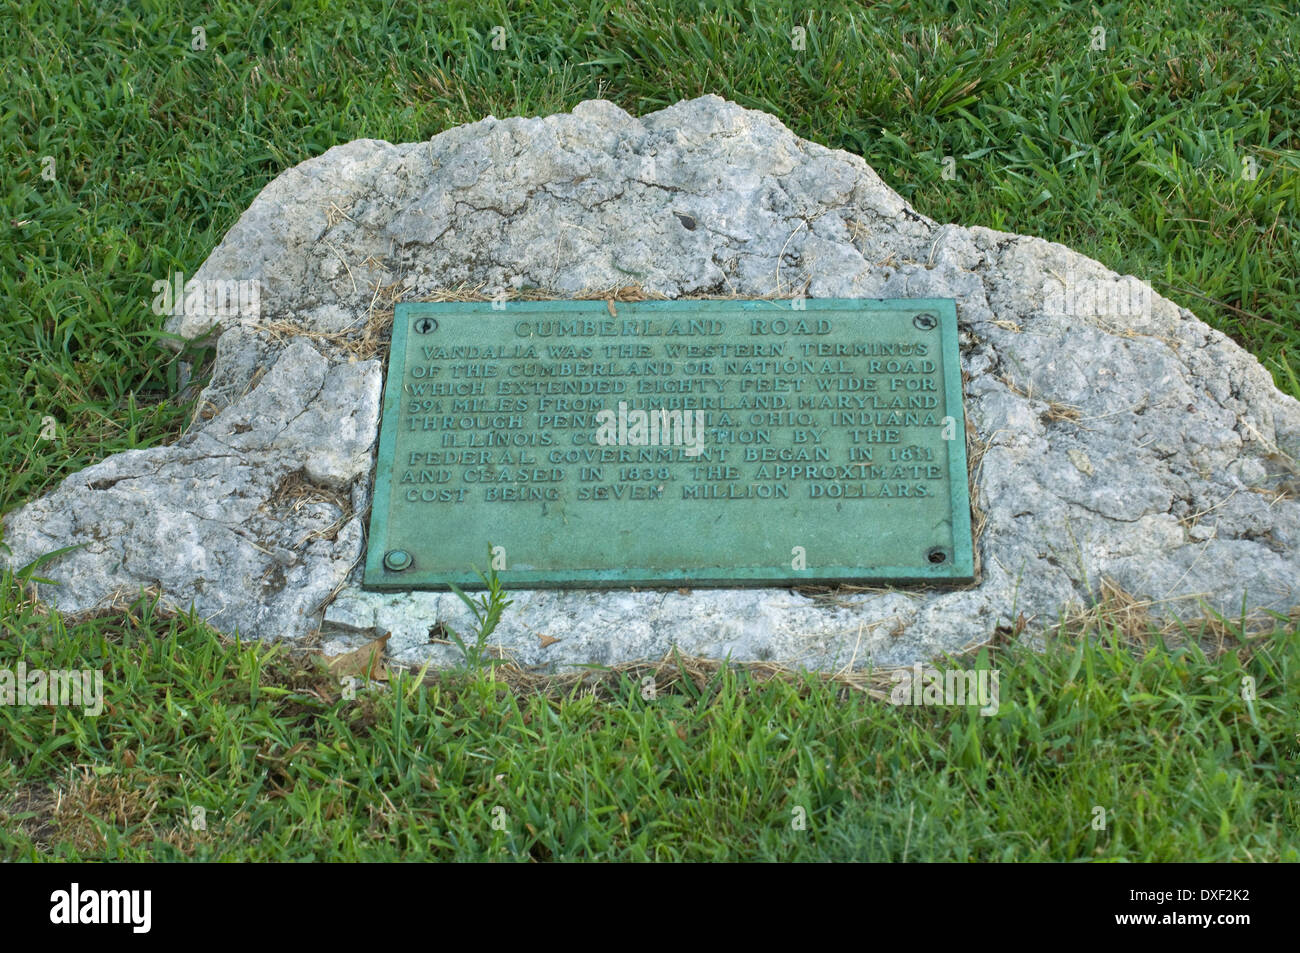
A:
[(1165, 147)]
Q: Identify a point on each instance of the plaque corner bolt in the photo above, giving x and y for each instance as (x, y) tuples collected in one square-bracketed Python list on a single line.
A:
[(396, 560)]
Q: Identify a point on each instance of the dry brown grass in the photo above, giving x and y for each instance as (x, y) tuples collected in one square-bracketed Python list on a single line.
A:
[(1114, 613), (1119, 613), (672, 672), (1056, 412), (80, 811), (29, 810), (295, 491)]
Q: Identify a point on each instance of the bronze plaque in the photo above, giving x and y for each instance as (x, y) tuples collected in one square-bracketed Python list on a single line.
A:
[(672, 443)]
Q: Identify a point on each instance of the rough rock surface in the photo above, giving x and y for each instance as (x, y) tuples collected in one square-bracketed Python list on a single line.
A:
[(1124, 438)]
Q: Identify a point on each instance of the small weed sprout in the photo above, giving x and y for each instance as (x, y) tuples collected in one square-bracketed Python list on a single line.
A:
[(487, 609)]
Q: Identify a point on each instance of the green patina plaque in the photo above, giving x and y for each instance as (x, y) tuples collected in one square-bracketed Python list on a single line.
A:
[(670, 443)]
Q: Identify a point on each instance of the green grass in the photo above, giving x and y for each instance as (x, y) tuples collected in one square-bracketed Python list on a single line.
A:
[(1132, 155), (706, 768)]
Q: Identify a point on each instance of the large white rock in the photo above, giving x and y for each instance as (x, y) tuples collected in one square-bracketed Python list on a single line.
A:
[(1125, 438)]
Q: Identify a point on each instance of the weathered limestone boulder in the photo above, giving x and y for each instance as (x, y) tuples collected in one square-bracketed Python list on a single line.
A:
[(1116, 436)]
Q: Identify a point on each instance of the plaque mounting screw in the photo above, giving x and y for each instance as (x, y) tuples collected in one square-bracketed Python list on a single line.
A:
[(395, 560), (936, 556), (925, 321), (425, 325)]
